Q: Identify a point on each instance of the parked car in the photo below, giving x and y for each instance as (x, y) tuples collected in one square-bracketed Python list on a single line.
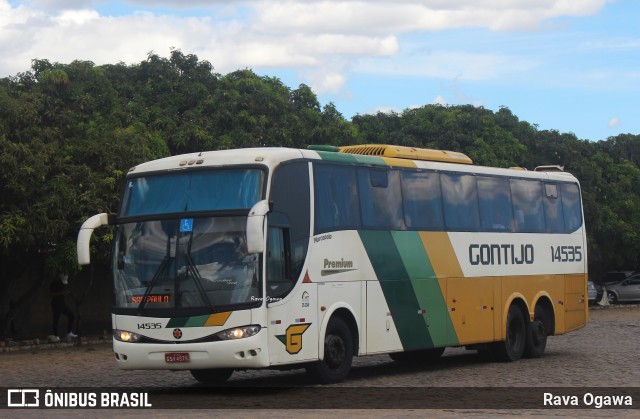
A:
[(625, 290), (595, 292), (615, 277)]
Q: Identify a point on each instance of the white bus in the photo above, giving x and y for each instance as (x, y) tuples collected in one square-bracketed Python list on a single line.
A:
[(272, 257)]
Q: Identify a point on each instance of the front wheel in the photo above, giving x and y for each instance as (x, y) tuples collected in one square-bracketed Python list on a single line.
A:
[(613, 298), (512, 348), (212, 376), (338, 354)]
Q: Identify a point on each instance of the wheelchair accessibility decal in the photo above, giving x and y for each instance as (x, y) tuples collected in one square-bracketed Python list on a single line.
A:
[(186, 225)]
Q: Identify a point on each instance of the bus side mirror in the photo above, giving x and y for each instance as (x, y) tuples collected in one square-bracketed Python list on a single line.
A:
[(255, 227), (84, 236)]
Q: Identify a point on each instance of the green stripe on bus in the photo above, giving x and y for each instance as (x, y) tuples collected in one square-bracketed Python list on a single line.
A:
[(374, 160), (194, 321), (350, 158), (197, 321), (178, 322), (397, 289), (426, 288), (413, 254)]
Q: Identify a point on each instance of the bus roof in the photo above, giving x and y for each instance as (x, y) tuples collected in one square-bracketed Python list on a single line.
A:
[(391, 156), (267, 156)]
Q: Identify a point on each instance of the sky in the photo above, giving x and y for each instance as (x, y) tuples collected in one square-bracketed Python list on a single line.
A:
[(566, 65)]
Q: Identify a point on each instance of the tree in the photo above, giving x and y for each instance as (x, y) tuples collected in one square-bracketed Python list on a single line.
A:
[(70, 132)]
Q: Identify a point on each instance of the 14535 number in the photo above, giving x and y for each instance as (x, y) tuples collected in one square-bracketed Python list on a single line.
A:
[(566, 253)]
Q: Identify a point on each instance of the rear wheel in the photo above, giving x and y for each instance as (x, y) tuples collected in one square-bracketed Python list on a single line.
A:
[(537, 333), (212, 376), (512, 348), (338, 354)]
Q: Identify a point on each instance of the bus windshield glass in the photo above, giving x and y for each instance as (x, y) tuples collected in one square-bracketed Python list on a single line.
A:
[(184, 263), (171, 254), (205, 190)]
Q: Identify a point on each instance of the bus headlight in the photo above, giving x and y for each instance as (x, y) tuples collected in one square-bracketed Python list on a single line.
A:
[(126, 336), (239, 332)]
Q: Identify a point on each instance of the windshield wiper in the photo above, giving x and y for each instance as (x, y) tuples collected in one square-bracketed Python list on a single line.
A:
[(166, 261), (191, 267)]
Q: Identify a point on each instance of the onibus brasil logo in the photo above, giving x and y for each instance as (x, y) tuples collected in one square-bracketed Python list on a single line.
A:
[(33, 397)]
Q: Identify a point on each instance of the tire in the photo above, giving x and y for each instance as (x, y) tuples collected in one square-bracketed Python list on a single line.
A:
[(423, 356), (212, 376), (613, 298), (338, 354), (537, 332), (512, 348)]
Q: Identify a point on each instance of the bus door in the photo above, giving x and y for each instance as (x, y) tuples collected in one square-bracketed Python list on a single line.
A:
[(291, 315)]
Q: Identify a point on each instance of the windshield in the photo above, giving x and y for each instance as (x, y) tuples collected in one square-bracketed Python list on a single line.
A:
[(184, 263), (204, 190)]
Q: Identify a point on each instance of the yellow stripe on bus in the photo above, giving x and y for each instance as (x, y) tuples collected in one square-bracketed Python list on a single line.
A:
[(218, 319), (441, 254), (390, 161)]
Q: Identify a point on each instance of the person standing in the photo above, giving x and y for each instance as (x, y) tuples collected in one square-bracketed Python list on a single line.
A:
[(58, 290)]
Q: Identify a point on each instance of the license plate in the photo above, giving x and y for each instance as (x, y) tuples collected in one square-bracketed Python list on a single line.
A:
[(174, 357)]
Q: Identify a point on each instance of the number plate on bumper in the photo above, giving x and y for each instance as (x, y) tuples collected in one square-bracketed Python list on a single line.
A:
[(174, 357)]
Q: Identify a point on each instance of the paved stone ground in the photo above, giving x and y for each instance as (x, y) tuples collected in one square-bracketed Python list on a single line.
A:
[(605, 353)]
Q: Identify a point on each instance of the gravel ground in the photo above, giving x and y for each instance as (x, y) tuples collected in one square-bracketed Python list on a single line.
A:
[(602, 354)]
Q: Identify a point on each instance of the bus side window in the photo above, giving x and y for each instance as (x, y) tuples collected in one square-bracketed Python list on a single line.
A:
[(422, 200), (460, 199), (380, 198), (553, 212), (527, 206), (278, 279), (337, 204), (496, 211), (570, 195)]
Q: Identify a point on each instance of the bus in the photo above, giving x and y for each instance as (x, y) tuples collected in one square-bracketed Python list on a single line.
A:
[(283, 258)]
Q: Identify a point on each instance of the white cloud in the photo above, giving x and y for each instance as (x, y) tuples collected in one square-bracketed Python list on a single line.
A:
[(382, 109), (76, 17), (322, 40), (327, 82), (614, 122), (403, 16), (183, 4), (86, 36), (59, 4), (439, 100), (228, 43)]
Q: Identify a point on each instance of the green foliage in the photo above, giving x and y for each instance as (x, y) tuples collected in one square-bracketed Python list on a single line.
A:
[(63, 259), (69, 133)]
